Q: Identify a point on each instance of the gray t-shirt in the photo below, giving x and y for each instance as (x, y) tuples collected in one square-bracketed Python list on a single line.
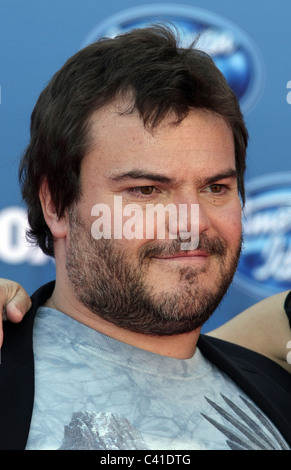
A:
[(93, 392)]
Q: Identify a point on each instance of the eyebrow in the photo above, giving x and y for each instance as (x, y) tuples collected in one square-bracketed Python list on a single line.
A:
[(140, 174), (231, 173)]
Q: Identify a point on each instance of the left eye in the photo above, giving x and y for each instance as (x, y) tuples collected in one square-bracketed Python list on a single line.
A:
[(143, 190), (216, 188), (146, 190)]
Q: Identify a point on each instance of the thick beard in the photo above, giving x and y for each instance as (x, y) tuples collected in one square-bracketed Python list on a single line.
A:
[(109, 284)]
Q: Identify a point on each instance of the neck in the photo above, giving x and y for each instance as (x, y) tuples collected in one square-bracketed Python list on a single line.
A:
[(180, 346)]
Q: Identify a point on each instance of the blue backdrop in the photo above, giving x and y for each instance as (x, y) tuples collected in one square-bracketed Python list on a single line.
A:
[(251, 43)]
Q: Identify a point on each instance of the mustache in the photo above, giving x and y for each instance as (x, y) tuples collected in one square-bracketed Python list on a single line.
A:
[(215, 247)]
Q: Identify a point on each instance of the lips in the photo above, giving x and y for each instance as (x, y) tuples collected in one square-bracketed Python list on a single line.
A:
[(184, 254), (164, 251)]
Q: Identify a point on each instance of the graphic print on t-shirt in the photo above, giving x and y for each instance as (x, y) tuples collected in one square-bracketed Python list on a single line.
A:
[(101, 431), (110, 431), (243, 433)]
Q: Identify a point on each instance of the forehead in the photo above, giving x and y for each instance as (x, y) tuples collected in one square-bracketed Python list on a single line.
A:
[(122, 142)]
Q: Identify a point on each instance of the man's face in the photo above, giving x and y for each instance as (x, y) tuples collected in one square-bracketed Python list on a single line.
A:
[(152, 285)]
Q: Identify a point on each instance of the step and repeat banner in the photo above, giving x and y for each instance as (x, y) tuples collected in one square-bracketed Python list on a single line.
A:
[(250, 43)]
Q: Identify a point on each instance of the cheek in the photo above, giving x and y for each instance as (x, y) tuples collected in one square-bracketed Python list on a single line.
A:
[(131, 248), (229, 225)]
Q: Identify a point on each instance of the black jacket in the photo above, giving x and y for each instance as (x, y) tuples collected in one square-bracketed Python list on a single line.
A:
[(266, 383)]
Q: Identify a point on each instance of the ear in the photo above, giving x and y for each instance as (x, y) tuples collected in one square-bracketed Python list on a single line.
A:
[(58, 226)]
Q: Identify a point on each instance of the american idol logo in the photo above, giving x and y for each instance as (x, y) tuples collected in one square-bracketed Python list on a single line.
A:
[(234, 53), (265, 265)]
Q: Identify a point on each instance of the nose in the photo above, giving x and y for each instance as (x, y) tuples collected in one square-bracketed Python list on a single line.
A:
[(192, 220)]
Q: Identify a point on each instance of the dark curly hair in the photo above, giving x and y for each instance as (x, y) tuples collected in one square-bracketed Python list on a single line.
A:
[(160, 76)]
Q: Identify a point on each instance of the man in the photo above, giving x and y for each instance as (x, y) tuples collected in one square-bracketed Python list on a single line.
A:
[(128, 124)]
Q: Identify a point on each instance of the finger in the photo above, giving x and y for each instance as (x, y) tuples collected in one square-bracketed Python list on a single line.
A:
[(14, 300), (14, 303), (17, 307)]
